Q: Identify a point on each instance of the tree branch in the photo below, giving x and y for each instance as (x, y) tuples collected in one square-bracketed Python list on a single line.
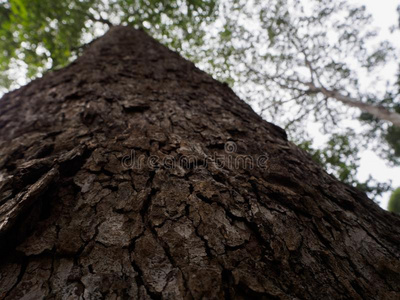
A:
[(100, 20), (90, 16), (377, 111)]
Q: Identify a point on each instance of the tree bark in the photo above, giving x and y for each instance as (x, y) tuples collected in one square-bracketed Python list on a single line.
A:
[(130, 174)]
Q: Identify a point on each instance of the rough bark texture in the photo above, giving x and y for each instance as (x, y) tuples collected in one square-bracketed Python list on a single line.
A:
[(76, 223)]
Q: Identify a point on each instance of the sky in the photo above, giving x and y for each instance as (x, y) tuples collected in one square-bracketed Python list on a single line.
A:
[(385, 15)]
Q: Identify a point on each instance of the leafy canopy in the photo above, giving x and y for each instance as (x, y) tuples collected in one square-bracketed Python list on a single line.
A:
[(37, 35)]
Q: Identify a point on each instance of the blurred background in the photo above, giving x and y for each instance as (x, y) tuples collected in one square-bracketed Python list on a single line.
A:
[(326, 71)]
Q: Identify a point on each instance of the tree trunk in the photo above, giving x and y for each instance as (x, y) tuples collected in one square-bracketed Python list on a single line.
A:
[(130, 174)]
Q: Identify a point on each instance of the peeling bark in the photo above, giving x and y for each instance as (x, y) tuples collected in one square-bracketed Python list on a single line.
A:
[(78, 220)]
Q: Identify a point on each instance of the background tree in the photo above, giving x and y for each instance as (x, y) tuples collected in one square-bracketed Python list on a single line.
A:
[(307, 62)]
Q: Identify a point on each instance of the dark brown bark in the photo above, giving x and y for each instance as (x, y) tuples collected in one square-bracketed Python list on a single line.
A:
[(78, 222)]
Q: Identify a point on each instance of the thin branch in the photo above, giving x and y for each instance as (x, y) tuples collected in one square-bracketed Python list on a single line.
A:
[(280, 102), (304, 114), (90, 16), (100, 20)]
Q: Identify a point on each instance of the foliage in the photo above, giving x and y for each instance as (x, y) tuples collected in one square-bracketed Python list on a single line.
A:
[(394, 202), (340, 158), (43, 34)]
